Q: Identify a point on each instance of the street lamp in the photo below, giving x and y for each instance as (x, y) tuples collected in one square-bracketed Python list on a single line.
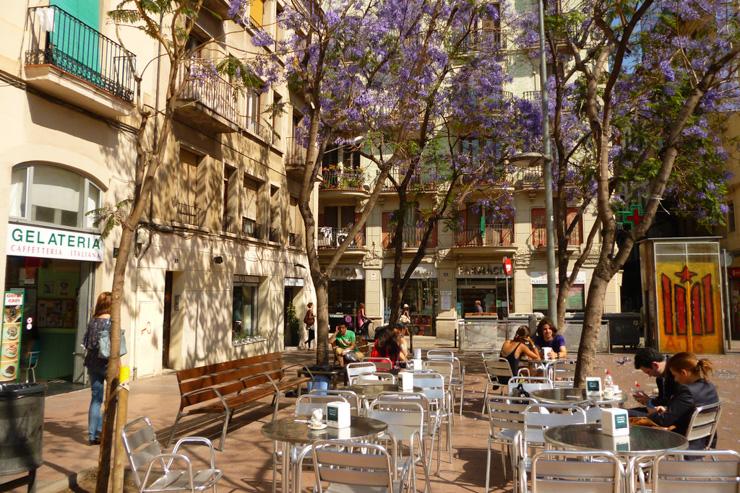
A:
[(547, 171)]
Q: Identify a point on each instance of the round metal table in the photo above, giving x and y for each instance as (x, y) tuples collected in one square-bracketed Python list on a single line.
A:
[(642, 440), (573, 396), (293, 432), (370, 391)]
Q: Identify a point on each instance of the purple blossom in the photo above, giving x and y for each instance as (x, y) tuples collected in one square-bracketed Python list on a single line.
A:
[(262, 38)]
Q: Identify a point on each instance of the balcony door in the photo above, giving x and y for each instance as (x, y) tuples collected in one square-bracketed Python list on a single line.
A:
[(75, 37)]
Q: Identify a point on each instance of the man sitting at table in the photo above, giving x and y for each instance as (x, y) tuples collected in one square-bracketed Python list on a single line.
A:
[(652, 363), (345, 344)]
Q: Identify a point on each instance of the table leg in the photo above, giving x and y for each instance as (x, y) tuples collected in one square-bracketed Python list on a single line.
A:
[(285, 476)]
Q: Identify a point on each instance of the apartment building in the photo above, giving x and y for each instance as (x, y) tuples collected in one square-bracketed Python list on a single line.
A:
[(220, 255), (731, 237), (463, 264)]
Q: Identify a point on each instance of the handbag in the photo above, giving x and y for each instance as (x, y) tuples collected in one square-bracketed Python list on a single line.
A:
[(522, 391), (104, 343)]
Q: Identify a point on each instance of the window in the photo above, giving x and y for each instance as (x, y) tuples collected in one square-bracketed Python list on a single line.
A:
[(277, 111), (229, 174), (574, 302), (539, 228), (250, 211), (187, 210), (244, 309), (731, 217), (55, 196), (253, 110), (275, 214)]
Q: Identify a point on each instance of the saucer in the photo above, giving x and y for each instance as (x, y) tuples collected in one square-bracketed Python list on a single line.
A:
[(316, 428)]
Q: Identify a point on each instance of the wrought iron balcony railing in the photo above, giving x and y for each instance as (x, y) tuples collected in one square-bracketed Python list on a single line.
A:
[(199, 82), (332, 237), (338, 179), (538, 238), (295, 153), (494, 235), (58, 38), (187, 214), (412, 236), (251, 228), (295, 240)]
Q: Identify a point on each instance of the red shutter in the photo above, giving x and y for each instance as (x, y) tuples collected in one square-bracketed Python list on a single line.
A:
[(539, 234), (386, 229), (433, 238), (576, 237)]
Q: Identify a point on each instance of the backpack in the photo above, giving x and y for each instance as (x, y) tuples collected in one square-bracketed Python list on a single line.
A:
[(104, 343)]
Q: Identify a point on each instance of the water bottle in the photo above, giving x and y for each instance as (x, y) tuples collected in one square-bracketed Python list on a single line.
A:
[(608, 382)]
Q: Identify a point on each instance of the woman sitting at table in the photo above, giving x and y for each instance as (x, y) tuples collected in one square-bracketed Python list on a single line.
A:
[(693, 390), (388, 346), (522, 345), (548, 337)]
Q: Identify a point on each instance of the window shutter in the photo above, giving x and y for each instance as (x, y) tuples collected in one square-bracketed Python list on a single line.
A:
[(433, 238), (539, 234), (577, 234), (256, 11), (386, 228)]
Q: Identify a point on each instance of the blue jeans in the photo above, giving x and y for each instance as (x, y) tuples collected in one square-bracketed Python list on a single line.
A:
[(94, 416)]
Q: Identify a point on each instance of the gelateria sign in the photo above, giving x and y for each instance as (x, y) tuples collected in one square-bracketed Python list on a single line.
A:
[(32, 241)]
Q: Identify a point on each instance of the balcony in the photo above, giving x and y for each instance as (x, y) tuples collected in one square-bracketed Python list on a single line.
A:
[(485, 39), (329, 238), (295, 157), (528, 178), (206, 101), (251, 228), (538, 238), (418, 183), (412, 236), (263, 130), (188, 214), (73, 62), (343, 183), (497, 235), (295, 240), (533, 96)]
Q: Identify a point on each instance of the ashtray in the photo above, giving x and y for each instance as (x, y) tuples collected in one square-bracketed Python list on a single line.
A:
[(313, 427)]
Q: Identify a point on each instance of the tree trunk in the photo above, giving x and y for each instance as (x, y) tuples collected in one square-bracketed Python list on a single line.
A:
[(592, 323), (562, 304), (322, 321)]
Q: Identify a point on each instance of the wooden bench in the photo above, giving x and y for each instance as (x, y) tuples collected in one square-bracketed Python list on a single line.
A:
[(232, 386)]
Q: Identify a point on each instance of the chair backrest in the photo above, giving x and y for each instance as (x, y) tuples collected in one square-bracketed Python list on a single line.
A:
[(555, 471), (382, 364), (306, 404), (497, 367), (432, 385), (563, 372), (530, 384), (364, 378), (141, 445), (384, 377), (405, 419), (539, 417), (704, 423), (349, 396), (719, 472), (443, 354), (361, 368), (507, 413), (443, 367), (353, 464)]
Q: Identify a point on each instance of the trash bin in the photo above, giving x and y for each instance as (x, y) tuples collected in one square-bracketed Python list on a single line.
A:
[(625, 329), (21, 427)]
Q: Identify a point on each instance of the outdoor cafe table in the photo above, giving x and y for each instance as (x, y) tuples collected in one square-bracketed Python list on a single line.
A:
[(643, 440), (576, 396), (292, 432)]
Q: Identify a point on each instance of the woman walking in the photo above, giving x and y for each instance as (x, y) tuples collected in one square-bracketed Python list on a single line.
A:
[(97, 365)]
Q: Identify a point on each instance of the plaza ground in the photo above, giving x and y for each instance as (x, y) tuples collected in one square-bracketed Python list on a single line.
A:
[(246, 460)]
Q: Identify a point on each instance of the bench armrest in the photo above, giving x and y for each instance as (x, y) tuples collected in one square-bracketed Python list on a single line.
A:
[(203, 391), (298, 367), (201, 440), (262, 374)]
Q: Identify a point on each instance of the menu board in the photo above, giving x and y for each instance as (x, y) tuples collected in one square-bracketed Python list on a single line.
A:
[(10, 335)]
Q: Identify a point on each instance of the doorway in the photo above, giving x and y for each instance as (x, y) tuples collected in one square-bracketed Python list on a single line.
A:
[(290, 327), (167, 319)]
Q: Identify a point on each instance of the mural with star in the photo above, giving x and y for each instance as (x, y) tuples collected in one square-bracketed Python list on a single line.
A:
[(689, 306)]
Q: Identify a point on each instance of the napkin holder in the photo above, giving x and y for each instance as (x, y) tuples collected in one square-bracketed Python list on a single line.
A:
[(593, 386), (615, 422), (338, 415), (620, 443), (406, 381)]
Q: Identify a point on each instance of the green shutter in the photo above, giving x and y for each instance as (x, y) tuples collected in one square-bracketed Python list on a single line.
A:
[(76, 38)]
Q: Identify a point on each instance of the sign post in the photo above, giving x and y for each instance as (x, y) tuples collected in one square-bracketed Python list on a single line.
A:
[(10, 336), (508, 268)]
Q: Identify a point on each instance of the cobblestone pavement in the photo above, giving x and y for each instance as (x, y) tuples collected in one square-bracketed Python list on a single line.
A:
[(246, 460)]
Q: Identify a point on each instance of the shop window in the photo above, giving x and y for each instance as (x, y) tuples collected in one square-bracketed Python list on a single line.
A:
[(48, 194), (575, 300), (244, 311)]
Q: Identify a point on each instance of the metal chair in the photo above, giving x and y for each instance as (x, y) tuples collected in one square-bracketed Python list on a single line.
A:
[(362, 368), (506, 423), (353, 467), (720, 474), (439, 361), (153, 469), (405, 422), (530, 384), (497, 369), (563, 372), (703, 424), (555, 471), (432, 385), (306, 404), (382, 364)]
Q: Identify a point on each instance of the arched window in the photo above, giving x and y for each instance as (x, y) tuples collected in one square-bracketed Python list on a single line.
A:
[(53, 195)]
